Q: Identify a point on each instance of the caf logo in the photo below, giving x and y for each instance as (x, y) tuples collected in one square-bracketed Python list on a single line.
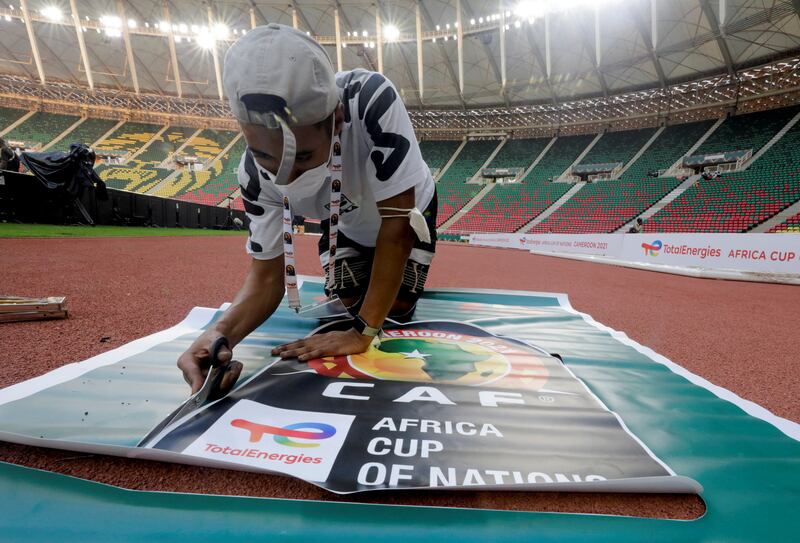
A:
[(445, 353)]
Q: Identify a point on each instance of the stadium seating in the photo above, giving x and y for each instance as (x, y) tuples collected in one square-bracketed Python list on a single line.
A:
[(618, 146), (88, 132), (738, 201), (437, 153), (509, 207), (560, 156), (519, 153), (146, 173), (789, 226), (605, 206), (469, 161), (42, 127), (452, 197), (130, 137), (749, 131), (222, 180), (209, 143), (671, 145), (8, 116)]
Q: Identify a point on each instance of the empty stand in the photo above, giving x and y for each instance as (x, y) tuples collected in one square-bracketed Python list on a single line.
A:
[(738, 201), (560, 157), (749, 131), (789, 226), (42, 127), (618, 146), (507, 208), (452, 197), (604, 206), (519, 153), (437, 153), (469, 160), (8, 116), (88, 132), (222, 178)]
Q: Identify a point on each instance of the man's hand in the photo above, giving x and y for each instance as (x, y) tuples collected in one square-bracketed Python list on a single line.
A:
[(196, 361), (321, 345)]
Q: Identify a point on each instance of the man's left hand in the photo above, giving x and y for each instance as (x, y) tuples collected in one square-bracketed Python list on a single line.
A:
[(321, 345)]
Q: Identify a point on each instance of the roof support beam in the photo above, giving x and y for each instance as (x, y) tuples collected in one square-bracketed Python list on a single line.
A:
[(597, 57), (420, 65), (444, 54), (76, 22), (297, 13), (32, 38), (349, 25), (338, 30), (460, 47), (215, 55), (379, 38), (253, 21), (500, 77), (171, 39), (721, 43), (409, 71), (542, 64), (647, 38), (126, 36)]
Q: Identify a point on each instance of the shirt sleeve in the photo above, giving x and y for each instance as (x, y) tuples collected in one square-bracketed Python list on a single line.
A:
[(264, 211), (394, 162)]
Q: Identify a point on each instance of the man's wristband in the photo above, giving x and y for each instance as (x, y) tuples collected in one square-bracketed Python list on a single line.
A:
[(361, 326)]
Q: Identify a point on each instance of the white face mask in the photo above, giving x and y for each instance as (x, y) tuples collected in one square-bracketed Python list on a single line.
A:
[(307, 184)]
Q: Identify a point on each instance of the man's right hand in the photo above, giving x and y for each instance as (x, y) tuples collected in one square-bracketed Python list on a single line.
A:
[(196, 361)]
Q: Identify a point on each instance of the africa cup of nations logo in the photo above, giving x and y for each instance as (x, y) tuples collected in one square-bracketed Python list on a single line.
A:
[(443, 352), (652, 249)]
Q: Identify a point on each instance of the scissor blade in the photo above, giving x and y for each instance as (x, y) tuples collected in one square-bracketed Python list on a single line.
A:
[(209, 393)]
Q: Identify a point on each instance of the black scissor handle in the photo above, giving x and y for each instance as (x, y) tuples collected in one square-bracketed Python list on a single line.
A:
[(216, 347)]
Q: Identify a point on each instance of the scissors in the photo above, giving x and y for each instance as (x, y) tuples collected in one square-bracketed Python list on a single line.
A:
[(210, 392)]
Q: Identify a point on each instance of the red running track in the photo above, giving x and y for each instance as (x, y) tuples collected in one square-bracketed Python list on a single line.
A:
[(737, 335)]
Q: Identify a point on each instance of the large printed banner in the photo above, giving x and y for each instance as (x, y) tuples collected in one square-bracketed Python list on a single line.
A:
[(760, 253), (439, 403)]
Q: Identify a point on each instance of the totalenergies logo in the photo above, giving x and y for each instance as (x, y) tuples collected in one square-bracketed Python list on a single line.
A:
[(283, 435), (652, 249)]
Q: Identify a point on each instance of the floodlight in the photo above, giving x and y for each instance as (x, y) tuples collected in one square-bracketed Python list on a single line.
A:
[(183, 28), (131, 23), (8, 18), (221, 31), (206, 40), (52, 13), (110, 21), (365, 33), (391, 32)]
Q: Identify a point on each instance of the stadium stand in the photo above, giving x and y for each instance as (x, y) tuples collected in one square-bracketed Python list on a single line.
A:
[(42, 127), (789, 226), (437, 153), (671, 145), (749, 131), (509, 207), (209, 143), (560, 156), (519, 153), (738, 201), (452, 197), (88, 132), (618, 146), (469, 161), (130, 137), (8, 116), (222, 179), (605, 206)]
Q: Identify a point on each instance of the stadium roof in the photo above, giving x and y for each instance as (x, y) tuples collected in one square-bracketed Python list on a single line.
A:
[(550, 51)]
